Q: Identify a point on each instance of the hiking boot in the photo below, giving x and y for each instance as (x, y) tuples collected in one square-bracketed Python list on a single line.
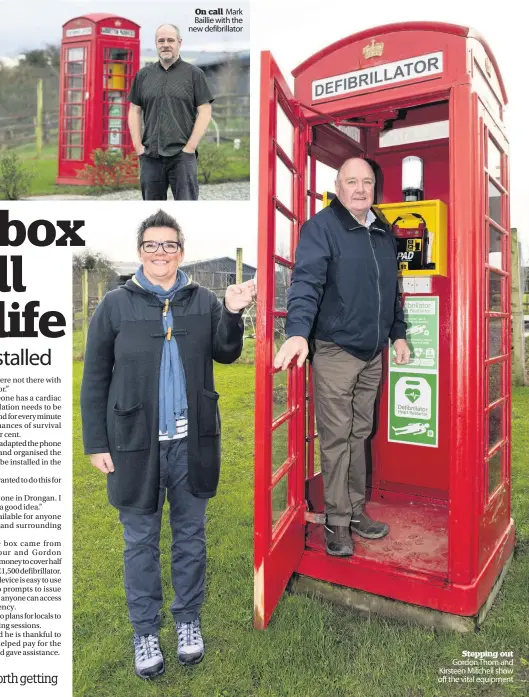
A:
[(190, 644), (338, 542), (148, 656), (362, 525)]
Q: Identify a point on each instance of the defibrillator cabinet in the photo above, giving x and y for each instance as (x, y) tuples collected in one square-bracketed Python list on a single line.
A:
[(100, 55), (440, 453)]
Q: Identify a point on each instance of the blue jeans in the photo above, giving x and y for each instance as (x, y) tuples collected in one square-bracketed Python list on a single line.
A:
[(143, 584)]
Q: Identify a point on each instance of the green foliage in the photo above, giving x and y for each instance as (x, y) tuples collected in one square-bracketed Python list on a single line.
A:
[(110, 171), (15, 177), (211, 160)]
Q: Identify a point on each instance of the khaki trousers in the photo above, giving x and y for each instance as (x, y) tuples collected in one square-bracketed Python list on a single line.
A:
[(345, 389)]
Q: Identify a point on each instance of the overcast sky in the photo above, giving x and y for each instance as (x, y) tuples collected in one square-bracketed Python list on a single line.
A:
[(31, 24), (211, 228)]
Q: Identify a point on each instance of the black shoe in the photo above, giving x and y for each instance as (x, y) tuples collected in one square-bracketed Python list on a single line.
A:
[(338, 542), (370, 529)]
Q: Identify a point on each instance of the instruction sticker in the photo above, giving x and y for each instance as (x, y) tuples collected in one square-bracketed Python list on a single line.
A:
[(413, 394)]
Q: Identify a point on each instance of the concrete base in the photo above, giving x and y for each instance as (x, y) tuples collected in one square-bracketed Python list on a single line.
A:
[(366, 604)]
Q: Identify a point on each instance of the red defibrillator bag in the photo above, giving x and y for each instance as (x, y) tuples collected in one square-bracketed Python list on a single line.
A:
[(412, 242)]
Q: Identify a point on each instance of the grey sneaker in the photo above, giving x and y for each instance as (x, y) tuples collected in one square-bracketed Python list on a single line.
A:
[(190, 643), (148, 656), (362, 525), (338, 542)]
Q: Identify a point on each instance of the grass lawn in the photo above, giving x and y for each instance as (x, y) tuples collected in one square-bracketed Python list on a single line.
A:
[(45, 168), (311, 648)]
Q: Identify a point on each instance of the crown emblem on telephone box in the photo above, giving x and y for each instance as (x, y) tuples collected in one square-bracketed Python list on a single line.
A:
[(373, 49)]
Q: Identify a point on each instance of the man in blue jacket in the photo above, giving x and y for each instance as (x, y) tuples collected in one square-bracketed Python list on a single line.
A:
[(344, 296)]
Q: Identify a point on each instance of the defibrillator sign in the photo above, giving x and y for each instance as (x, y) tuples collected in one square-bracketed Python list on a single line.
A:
[(379, 76)]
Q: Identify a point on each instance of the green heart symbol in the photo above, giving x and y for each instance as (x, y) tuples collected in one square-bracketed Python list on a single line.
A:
[(412, 394)]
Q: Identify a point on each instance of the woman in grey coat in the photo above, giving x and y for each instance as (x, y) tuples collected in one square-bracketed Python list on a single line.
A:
[(151, 423)]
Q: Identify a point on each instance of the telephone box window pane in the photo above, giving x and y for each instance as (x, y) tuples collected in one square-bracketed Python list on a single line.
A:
[(74, 153), (494, 161), (282, 279), (75, 68), (75, 54), (74, 124), (285, 132), (284, 182), (494, 203), (280, 446), (74, 138), (495, 337), (495, 248), (279, 393), (495, 382), (279, 333), (283, 229), (75, 96), (325, 177), (75, 83), (279, 499), (495, 292), (74, 110), (495, 426), (495, 470)]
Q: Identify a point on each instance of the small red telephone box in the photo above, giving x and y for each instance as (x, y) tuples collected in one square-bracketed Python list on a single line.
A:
[(100, 55), (439, 466)]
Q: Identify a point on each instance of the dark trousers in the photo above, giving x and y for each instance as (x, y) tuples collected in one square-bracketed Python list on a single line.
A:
[(143, 583), (345, 389), (178, 171)]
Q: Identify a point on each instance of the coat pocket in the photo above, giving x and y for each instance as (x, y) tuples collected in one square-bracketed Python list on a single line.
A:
[(131, 429), (208, 416)]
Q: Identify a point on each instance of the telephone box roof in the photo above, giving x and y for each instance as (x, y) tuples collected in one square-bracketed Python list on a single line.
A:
[(440, 27), (99, 17)]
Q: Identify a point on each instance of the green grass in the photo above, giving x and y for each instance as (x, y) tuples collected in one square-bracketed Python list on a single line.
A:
[(311, 648), (45, 168)]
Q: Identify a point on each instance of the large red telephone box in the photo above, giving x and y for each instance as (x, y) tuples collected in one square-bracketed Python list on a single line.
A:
[(439, 465), (100, 55)]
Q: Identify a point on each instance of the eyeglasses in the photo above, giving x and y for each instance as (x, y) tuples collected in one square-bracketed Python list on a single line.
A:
[(168, 247)]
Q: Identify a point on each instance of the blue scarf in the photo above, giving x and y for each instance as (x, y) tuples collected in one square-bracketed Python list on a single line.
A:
[(172, 391)]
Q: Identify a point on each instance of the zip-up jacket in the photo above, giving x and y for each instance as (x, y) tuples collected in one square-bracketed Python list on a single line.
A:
[(344, 284), (119, 394)]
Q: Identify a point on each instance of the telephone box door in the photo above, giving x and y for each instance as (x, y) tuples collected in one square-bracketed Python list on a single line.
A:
[(279, 528), (74, 113)]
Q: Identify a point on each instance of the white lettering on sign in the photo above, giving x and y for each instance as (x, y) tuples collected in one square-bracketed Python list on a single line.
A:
[(381, 76), (82, 31), (118, 32)]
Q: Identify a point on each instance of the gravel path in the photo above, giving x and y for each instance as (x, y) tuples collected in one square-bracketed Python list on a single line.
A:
[(228, 191)]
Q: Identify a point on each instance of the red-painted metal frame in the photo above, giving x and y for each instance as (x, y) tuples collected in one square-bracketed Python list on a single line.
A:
[(278, 548), (471, 96), (91, 33)]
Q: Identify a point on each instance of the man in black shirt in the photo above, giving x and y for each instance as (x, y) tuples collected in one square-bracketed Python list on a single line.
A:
[(173, 99)]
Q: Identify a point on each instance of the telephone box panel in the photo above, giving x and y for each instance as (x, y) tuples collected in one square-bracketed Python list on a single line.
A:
[(99, 58)]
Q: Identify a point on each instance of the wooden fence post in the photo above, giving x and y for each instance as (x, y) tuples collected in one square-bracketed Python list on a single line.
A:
[(238, 266)]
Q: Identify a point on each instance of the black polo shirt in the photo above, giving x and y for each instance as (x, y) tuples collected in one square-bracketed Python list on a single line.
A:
[(169, 100)]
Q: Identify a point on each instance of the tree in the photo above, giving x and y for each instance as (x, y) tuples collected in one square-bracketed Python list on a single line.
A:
[(94, 262)]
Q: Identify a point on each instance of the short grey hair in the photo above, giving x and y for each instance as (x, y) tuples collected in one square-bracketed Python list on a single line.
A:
[(178, 35), (160, 219), (372, 165)]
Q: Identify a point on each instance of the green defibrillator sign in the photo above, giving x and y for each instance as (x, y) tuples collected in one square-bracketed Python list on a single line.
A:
[(413, 396)]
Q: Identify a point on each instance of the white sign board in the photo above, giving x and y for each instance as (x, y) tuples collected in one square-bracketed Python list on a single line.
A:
[(380, 76)]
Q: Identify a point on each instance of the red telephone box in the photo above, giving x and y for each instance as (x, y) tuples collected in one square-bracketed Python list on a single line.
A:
[(100, 55), (442, 481)]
